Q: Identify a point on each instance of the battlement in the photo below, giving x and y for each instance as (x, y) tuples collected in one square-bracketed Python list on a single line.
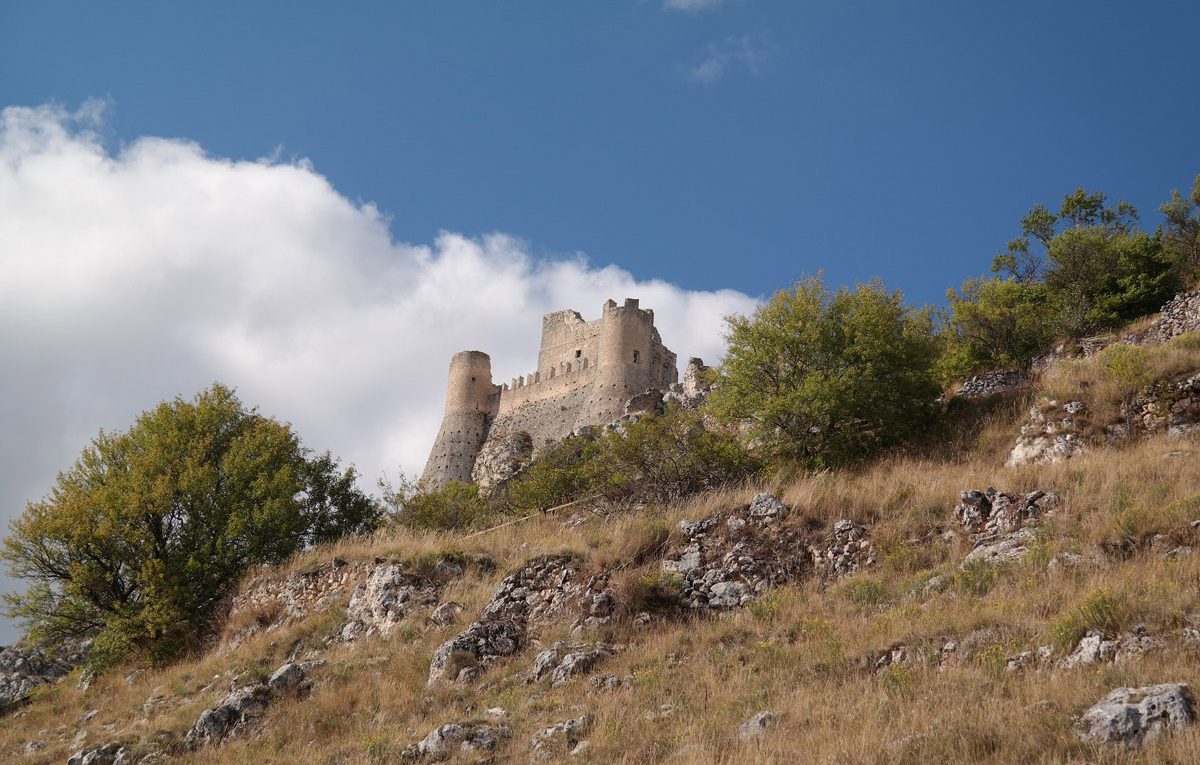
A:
[(586, 371)]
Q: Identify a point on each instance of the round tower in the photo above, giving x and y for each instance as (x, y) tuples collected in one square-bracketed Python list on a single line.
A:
[(469, 392)]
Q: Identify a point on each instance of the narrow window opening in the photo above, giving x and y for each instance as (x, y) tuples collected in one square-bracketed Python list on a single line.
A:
[(578, 353), (635, 357)]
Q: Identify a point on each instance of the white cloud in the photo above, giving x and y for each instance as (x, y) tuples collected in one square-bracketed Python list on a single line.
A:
[(131, 276), (742, 51), (691, 6)]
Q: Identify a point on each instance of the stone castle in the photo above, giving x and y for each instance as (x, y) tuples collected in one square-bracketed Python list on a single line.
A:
[(588, 372)]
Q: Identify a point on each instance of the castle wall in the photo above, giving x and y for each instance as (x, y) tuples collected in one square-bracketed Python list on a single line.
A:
[(587, 372)]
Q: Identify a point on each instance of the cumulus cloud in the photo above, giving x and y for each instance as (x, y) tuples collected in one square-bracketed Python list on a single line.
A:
[(133, 275), (745, 52)]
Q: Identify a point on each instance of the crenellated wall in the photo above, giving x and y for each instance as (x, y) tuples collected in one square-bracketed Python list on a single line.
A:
[(586, 372)]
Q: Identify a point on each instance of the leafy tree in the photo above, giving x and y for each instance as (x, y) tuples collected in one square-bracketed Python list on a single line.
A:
[(1098, 268), (995, 324), (829, 377), (1181, 228), (141, 537)]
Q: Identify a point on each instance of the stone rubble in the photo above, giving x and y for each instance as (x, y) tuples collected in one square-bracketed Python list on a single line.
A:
[(847, 550), (566, 736), (731, 557), (1181, 314), (1094, 648), (1050, 434), (110, 753), (275, 601), (457, 738), (993, 383), (1133, 716)]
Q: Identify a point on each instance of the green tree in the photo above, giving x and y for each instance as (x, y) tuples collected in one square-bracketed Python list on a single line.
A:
[(456, 506), (140, 538), (1181, 229), (829, 377), (995, 324)]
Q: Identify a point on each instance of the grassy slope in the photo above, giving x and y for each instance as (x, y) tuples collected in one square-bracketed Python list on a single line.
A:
[(797, 652)]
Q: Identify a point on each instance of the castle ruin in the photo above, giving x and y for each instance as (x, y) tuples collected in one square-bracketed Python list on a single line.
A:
[(587, 373)]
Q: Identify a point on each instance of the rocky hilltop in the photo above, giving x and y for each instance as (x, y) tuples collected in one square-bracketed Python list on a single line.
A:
[(1031, 597)]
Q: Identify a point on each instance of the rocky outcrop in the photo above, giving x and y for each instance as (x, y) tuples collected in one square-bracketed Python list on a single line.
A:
[(1050, 434), (502, 459), (110, 753), (458, 738), (545, 586), (561, 738), (1133, 716), (243, 709), (1095, 648), (729, 558), (270, 601), (993, 383), (1168, 405), (563, 662), (388, 595), (1001, 525), (694, 390), (24, 668), (846, 550)]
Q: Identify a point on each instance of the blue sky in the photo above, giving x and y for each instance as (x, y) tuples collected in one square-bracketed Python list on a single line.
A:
[(738, 144)]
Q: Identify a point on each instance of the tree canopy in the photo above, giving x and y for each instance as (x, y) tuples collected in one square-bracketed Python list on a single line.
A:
[(824, 377), (140, 538)]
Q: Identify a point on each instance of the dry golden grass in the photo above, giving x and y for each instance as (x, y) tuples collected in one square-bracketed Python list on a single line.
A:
[(797, 651)]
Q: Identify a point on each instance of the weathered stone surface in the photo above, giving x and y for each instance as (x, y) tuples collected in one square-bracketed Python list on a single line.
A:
[(481, 643), (846, 550), (999, 524), (110, 753), (502, 459), (1027, 659), (1133, 716), (563, 737), (462, 738), (729, 558), (1095, 648), (241, 710), (271, 600), (564, 661), (24, 668), (756, 726), (1050, 434), (381, 602), (1181, 314), (446, 614)]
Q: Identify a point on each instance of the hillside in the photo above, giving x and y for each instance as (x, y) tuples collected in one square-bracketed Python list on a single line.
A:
[(899, 612)]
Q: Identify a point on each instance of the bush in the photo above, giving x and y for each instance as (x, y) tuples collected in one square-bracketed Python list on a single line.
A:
[(826, 378), (138, 541), (454, 507), (995, 324), (1126, 366), (656, 458)]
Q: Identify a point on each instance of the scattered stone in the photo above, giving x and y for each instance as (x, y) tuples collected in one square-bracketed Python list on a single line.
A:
[(1133, 716), (388, 595), (562, 737), (1094, 648), (447, 740), (999, 524), (35, 746), (1028, 659), (564, 661), (497, 713), (756, 726)]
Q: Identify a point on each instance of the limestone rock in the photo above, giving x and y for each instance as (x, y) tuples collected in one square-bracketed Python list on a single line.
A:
[(241, 710), (271, 600), (446, 614), (1132, 716), (731, 557), (1000, 524), (111, 753), (1094, 648), (23, 668), (389, 594), (445, 741), (563, 661), (481, 643), (756, 726), (1051, 434), (846, 551), (501, 459), (562, 737)]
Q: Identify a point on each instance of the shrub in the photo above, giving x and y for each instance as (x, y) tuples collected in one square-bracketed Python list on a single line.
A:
[(138, 541), (454, 507), (1126, 366), (995, 324), (826, 378), (555, 477), (1100, 611)]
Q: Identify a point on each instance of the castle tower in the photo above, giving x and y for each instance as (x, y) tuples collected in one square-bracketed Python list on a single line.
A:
[(469, 399), (624, 361)]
